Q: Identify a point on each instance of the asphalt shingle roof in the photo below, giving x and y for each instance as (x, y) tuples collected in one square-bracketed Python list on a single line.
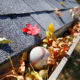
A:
[(14, 7), (14, 14), (65, 19), (11, 29), (38, 5)]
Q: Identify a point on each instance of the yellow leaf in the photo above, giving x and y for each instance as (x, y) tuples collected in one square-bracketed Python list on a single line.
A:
[(36, 75), (54, 38), (51, 29), (45, 40), (4, 41), (47, 35), (62, 3)]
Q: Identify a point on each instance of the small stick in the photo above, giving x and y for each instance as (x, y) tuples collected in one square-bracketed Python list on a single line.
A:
[(11, 63), (32, 67)]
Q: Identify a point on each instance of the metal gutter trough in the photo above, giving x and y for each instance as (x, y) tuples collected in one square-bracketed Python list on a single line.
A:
[(62, 63)]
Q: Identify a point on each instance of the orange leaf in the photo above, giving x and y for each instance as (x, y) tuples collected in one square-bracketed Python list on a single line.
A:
[(54, 38)]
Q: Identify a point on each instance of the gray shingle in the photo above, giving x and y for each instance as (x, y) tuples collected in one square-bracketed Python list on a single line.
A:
[(13, 7), (44, 20), (67, 4), (3, 55), (73, 3), (11, 29), (21, 22), (65, 19), (54, 4), (58, 20), (38, 5)]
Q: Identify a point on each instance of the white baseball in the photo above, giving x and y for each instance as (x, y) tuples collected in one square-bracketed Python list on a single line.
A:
[(38, 57)]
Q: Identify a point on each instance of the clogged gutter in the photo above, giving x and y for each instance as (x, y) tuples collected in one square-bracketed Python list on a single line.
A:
[(58, 48)]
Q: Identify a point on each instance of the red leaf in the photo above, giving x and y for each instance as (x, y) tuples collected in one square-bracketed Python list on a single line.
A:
[(24, 30), (32, 30)]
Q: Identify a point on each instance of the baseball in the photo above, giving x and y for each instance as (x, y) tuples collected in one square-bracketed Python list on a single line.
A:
[(38, 56)]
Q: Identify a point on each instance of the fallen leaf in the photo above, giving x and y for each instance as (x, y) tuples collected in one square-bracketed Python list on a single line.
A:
[(4, 41), (62, 3), (45, 40), (51, 29), (47, 35), (31, 30)]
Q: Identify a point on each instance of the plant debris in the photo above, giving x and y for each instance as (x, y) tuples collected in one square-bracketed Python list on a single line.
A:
[(57, 47)]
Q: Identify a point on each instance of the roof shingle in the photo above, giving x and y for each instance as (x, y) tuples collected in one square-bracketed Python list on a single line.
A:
[(14, 14)]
